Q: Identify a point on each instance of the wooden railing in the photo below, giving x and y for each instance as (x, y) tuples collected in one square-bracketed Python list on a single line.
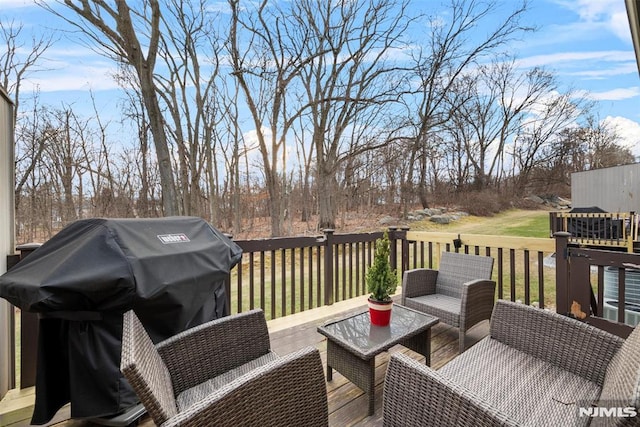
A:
[(288, 275), (609, 230), (291, 274)]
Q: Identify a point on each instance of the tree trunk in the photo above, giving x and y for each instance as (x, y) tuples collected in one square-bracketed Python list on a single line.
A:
[(327, 197)]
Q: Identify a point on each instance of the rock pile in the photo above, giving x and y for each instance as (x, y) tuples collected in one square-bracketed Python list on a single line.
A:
[(440, 215), (444, 215), (553, 201)]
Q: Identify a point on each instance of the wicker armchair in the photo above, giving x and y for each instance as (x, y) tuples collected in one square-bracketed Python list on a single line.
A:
[(537, 368), (460, 293), (223, 373)]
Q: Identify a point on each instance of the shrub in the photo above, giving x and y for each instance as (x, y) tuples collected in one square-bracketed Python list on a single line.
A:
[(381, 279)]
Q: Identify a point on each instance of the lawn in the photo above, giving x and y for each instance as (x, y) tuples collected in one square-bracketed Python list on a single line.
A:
[(515, 222)]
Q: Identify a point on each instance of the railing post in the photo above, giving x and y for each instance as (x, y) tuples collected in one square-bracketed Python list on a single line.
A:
[(393, 248), (328, 267), (29, 330), (405, 249), (553, 223), (401, 234), (562, 271), (227, 285)]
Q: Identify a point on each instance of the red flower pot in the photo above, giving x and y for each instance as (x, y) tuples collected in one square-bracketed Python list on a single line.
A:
[(380, 312)]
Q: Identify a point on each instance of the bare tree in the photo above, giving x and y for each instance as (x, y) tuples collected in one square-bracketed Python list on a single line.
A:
[(134, 113), (115, 32), (452, 48), (499, 100), (189, 49), (304, 155), (349, 88), (31, 138), (267, 49), (589, 145), (549, 116), (30, 141), (14, 68), (64, 160)]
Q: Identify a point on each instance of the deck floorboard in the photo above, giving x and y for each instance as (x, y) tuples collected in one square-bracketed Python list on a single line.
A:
[(348, 404)]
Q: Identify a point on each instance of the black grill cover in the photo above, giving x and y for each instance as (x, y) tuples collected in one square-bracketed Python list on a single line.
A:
[(171, 271)]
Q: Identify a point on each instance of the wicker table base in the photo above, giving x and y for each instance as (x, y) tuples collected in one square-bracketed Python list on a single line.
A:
[(353, 343)]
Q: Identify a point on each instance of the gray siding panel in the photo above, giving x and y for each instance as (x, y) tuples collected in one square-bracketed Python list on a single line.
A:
[(6, 235), (615, 189)]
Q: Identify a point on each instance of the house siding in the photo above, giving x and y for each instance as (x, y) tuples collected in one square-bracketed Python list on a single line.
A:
[(6, 236), (614, 189)]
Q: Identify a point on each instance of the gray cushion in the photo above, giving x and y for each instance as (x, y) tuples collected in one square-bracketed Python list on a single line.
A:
[(528, 389), (193, 395), (444, 307)]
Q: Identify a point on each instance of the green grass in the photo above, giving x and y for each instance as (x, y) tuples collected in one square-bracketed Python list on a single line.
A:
[(521, 223), (537, 226)]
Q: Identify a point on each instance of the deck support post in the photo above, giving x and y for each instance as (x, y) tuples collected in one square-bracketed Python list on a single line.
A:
[(562, 272)]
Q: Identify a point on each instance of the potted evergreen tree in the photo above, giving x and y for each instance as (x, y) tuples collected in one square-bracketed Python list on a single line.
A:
[(381, 283)]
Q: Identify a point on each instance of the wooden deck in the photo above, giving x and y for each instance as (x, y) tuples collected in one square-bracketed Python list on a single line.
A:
[(347, 403)]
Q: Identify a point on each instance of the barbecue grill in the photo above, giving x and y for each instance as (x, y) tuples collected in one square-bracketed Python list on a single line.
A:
[(171, 271)]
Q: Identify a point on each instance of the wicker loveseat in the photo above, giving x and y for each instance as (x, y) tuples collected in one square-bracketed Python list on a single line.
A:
[(223, 373), (536, 368)]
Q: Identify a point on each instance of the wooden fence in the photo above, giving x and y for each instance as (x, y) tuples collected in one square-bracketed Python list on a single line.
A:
[(580, 283)]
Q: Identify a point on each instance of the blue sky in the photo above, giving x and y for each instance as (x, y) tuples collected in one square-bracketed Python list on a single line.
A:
[(587, 43)]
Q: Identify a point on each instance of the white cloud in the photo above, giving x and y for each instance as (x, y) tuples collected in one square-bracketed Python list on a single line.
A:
[(620, 25), (573, 58), (72, 83), (251, 137), (610, 15), (71, 68), (615, 94), (628, 131), (630, 67), (219, 7), (74, 77)]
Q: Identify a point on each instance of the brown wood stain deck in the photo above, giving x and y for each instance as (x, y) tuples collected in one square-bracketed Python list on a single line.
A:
[(348, 404)]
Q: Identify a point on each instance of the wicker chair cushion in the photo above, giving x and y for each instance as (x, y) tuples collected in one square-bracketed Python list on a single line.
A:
[(622, 381), (530, 390), (195, 394), (456, 269), (444, 307)]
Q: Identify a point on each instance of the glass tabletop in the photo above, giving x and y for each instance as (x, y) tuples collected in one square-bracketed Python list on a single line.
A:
[(359, 335)]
